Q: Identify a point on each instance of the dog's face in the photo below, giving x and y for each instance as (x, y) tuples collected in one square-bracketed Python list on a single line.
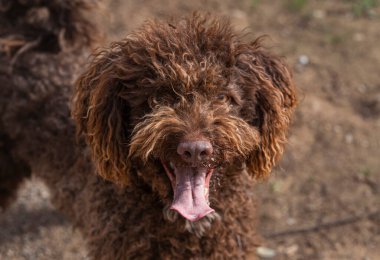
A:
[(181, 107)]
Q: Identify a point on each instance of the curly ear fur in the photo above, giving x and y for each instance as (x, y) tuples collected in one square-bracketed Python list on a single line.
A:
[(102, 114), (271, 94)]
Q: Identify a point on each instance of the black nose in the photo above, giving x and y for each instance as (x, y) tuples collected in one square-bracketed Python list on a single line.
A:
[(195, 151)]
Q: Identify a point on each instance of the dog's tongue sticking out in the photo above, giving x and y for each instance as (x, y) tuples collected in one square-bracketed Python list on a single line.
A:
[(191, 192)]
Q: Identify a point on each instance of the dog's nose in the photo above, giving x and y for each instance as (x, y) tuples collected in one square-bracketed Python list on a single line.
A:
[(194, 151)]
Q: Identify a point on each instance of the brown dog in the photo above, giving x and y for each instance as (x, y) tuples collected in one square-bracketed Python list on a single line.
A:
[(185, 115), (180, 118)]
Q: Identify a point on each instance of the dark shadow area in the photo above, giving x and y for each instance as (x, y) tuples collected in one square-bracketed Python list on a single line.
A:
[(20, 221)]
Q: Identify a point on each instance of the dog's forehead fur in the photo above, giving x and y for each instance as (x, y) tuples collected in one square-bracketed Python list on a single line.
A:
[(191, 55)]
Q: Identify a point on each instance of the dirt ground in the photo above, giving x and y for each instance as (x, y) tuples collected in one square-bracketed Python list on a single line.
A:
[(323, 200)]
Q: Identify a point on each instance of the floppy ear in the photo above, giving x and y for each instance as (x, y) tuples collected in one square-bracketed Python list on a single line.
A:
[(270, 101), (102, 113)]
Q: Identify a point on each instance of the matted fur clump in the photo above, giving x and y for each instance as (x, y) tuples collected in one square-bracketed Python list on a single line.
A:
[(179, 119)]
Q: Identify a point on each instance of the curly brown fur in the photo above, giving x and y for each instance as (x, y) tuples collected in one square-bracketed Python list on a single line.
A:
[(191, 79)]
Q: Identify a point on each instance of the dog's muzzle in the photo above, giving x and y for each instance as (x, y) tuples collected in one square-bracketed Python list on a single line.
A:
[(191, 182)]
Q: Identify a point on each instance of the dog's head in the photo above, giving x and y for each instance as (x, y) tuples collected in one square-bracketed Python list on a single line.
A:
[(179, 105)]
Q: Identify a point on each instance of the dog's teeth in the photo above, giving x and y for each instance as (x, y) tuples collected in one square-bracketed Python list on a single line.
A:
[(171, 165)]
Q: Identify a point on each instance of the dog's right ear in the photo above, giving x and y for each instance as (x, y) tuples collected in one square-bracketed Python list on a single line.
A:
[(103, 115)]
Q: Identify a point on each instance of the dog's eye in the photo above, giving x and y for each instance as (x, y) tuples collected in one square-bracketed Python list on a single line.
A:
[(223, 98)]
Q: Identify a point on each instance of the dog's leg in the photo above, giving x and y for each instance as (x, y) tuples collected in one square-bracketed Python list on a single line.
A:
[(12, 172)]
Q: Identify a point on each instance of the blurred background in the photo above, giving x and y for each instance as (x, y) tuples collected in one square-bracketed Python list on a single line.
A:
[(323, 200)]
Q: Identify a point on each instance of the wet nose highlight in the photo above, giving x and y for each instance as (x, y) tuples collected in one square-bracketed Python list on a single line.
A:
[(194, 151)]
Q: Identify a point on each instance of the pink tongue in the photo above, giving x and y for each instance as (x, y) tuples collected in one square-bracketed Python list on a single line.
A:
[(189, 193)]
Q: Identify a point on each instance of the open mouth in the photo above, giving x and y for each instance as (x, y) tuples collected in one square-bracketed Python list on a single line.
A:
[(191, 190)]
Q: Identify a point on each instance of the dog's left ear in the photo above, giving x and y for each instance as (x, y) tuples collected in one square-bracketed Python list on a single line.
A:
[(270, 100)]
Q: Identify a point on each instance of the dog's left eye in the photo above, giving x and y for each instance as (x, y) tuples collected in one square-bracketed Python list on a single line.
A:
[(223, 98)]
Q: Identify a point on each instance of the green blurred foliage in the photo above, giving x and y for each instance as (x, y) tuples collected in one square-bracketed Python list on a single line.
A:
[(364, 7), (255, 3), (296, 5)]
